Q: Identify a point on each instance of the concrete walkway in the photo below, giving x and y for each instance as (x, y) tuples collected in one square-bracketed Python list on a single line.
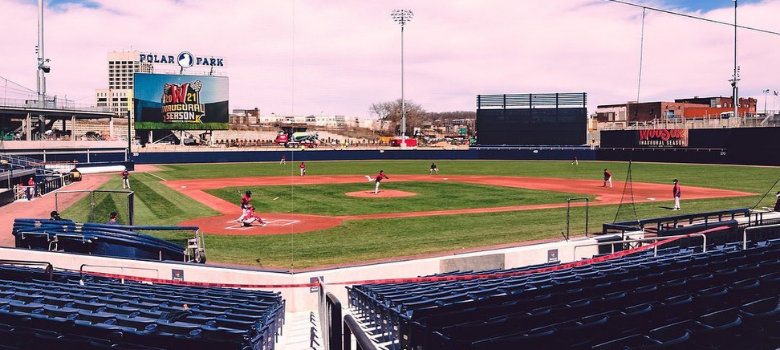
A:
[(41, 207)]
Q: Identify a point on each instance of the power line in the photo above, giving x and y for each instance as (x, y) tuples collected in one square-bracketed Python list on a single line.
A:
[(695, 17), (17, 84)]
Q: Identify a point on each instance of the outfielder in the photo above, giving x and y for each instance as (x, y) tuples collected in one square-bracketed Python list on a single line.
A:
[(378, 178), (303, 169)]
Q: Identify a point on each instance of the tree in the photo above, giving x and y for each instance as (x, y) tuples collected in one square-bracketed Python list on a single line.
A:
[(390, 112)]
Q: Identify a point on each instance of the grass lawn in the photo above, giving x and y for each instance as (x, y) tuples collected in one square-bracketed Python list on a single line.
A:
[(363, 240), (331, 199)]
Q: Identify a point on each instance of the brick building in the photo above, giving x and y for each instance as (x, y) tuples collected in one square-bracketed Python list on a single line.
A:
[(618, 116)]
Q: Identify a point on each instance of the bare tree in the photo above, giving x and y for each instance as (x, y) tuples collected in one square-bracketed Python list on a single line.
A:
[(390, 112)]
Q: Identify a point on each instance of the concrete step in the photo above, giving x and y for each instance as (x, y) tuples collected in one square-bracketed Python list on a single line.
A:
[(297, 332)]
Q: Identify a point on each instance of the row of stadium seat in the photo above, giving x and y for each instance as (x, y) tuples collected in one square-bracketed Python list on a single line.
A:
[(96, 239), (100, 312), (465, 314)]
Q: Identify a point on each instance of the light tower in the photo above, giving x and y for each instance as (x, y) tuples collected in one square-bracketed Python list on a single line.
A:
[(766, 93), (402, 17), (43, 67), (735, 78)]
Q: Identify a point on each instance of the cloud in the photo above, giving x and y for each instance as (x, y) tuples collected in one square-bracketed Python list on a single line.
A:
[(311, 57)]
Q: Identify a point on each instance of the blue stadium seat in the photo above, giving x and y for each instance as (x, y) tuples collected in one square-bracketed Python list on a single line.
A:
[(720, 330)]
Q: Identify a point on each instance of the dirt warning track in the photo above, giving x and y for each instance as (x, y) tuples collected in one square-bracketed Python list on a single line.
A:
[(297, 223)]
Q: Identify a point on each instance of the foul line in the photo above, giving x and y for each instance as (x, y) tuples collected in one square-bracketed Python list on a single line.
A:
[(159, 177)]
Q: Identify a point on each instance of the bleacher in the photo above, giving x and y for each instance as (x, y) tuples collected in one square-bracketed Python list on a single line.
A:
[(677, 298), (69, 311)]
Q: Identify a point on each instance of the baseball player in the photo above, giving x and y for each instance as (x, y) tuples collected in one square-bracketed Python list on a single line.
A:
[(676, 192), (30, 188), (245, 204), (303, 168), (777, 203), (251, 217), (378, 178), (607, 178), (125, 179), (434, 169), (283, 160)]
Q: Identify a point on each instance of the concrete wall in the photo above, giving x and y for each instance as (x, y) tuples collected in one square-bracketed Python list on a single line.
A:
[(302, 298)]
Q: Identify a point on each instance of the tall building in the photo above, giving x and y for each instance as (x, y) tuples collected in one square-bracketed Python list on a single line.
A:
[(121, 66)]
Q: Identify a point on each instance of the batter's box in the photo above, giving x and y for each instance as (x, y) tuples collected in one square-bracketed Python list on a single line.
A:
[(241, 228), (281, 222)]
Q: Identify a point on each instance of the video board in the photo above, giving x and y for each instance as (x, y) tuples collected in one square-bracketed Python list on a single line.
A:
[(180, 102)]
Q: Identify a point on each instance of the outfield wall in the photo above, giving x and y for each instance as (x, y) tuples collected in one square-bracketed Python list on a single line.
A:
[(491, 153), (748, 146)]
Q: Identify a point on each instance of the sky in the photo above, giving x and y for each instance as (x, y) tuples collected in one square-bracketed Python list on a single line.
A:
[(337, 57)]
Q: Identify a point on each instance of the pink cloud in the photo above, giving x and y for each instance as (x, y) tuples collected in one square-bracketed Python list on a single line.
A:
[(307, 57)]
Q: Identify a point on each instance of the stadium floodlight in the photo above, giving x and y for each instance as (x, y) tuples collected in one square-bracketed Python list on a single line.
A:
[(402, 17), (766, 93)]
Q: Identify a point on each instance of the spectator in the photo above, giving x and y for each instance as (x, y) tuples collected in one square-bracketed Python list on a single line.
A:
[(112, 218)]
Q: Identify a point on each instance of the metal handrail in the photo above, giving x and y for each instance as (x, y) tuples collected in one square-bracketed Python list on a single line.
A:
[(745, 233), (655, 250), (362, 341), (330, 319), (49, 267), (121, 270)]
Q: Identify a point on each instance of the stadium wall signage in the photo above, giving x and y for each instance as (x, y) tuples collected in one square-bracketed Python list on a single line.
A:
[(184, 59), (662, 138)]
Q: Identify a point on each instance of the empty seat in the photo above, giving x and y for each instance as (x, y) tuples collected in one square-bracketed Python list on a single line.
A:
[(672, 336), (533, 339), (762, 321), (720, 330)]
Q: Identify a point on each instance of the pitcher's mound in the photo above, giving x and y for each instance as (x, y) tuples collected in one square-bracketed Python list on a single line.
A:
[(381, 194)]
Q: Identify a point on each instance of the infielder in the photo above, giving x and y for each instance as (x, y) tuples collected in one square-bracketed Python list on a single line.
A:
[(676, 192), (434, 169), (378, 178), (607, 178)]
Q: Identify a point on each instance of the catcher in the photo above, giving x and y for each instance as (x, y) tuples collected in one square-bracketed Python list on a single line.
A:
[(250, 217)]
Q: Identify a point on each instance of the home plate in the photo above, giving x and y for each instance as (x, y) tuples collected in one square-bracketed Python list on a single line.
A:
[(650, 198)]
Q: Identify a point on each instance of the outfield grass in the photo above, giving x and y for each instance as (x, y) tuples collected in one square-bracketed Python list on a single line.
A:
[(156, 204)]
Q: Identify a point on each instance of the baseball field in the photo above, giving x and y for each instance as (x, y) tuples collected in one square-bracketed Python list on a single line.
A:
[(331, 216)]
